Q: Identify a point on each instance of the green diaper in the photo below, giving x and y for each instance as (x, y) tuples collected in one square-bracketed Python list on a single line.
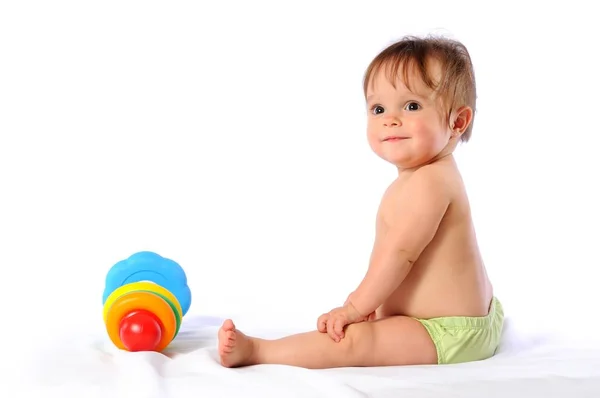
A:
[(465, 339)]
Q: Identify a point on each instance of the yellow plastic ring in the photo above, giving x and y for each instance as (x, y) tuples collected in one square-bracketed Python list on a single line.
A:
[(144, 285), (141, 301), (177, 317)]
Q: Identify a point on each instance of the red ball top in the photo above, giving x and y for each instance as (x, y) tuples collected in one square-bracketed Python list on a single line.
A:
[(140, 331)]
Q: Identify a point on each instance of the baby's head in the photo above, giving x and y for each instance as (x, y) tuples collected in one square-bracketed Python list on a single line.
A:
[(420, 95)]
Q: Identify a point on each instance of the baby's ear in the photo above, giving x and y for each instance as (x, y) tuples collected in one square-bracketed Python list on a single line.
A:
[(460, 120)]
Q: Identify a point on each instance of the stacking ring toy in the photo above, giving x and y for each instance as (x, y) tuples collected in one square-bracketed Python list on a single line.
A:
[(145, 299)]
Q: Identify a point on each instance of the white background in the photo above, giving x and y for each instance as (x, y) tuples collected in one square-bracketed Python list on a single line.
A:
[(230, 137)]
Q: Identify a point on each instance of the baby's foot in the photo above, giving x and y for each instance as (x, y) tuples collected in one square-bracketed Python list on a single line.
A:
[(235, 348)]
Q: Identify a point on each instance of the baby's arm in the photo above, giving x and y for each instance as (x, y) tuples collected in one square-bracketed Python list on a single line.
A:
[(419, 207)]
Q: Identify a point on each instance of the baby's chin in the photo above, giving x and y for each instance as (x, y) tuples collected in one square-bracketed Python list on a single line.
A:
[(396, 158), (404, 162)]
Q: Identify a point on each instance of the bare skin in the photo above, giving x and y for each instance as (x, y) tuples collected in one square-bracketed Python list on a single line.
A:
[(447, 279), (425, 261), (365, 344)]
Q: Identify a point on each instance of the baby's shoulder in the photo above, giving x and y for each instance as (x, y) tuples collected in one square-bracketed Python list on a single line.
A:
[(429, 181), (434, 178)]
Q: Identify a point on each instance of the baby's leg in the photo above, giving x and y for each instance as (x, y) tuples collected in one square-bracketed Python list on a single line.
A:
[(390, 341)]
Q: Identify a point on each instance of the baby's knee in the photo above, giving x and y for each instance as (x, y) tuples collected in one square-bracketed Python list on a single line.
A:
[(358, 340)]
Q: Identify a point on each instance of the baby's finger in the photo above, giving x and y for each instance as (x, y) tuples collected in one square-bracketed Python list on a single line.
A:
[(338, 327), (330, 331), (322, 323)]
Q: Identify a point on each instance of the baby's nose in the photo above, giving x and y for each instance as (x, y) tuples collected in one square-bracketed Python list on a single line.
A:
[(392, 122)]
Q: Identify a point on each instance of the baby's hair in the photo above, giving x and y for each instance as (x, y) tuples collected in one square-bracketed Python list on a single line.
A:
[(456, 86)]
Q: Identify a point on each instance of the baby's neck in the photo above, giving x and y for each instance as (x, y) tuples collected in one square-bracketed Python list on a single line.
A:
[(441, 157)]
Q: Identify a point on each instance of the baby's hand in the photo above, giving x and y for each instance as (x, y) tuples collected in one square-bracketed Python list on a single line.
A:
[(334, 322)]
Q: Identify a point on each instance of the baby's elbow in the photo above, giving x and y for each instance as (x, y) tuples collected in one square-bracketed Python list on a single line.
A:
[(410, 252), (407, 255)]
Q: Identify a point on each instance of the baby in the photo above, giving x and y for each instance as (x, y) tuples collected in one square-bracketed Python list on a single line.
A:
[(426, 297)]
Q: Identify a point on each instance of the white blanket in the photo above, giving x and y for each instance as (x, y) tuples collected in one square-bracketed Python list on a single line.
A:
[(527, 365)]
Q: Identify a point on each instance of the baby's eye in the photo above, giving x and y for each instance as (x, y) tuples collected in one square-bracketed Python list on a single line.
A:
[(412, 106), (377, 109)]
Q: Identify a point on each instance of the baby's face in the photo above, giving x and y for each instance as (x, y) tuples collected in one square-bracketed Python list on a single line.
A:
[(404, 128)]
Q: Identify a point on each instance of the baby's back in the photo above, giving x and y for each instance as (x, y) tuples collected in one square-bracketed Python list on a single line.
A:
[(449, 277)]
